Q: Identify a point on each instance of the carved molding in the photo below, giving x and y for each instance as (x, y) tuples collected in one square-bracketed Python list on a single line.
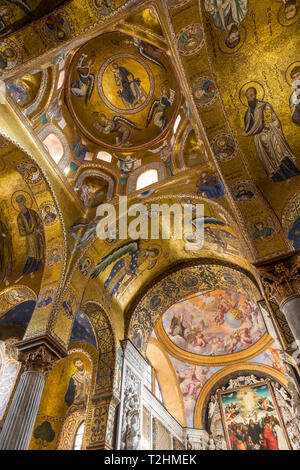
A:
[(196, 439), (134, 357), (281, 279), (131, 417), (158, 411)]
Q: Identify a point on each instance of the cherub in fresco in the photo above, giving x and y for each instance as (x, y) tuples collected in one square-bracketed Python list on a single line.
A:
[(217, 344), (191, 380), (219, 318), (245, 338), (223, 307), (239, 337), (233, 342), (196, 338), (276, 362)]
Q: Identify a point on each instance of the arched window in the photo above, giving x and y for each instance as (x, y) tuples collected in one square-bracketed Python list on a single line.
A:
[(105, 156), (54, 147), (148, 377), (176, 125), (147, 178), (61, 79), (158, 393), (79, 437)]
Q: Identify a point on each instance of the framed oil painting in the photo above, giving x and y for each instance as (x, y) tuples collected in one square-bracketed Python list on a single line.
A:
[(251, 419)]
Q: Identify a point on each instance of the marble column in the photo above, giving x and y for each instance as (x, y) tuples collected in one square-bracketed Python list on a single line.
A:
[(18, 427), (281, 280)]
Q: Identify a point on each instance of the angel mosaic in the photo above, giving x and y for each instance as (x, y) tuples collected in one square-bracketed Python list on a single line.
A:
[(84, 86), (5, 14), (23, 5), (119, 125), (166, 152), (17, 90), (146, 50), (159, 108), (130, 261)]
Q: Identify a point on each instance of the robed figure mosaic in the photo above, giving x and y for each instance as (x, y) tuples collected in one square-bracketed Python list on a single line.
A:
[(31, 227), (263, 124), (79, 387), (228, 15)]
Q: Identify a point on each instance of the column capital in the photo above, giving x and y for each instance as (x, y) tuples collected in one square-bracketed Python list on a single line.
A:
[(281, 278), (40, 354)]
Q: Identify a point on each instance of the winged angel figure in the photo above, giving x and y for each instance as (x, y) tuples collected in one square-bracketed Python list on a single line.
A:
[(159, 107), (129, 261), (118, 124)]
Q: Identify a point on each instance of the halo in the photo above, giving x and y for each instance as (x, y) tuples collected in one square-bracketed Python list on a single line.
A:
[(283, 21), (27, 197), (288, 72), (259, 88), (197, 41), (8, 46), (54, 247), (222, 44), (152, 246)]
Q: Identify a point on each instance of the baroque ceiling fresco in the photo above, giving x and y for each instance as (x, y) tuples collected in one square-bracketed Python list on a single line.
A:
[(205, 94), (214, 323)]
